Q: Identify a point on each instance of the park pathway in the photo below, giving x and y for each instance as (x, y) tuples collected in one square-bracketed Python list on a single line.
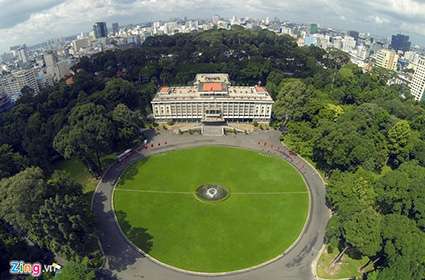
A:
[(123, 261)]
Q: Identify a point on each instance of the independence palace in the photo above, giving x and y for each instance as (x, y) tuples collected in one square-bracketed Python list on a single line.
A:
[(212, 99)]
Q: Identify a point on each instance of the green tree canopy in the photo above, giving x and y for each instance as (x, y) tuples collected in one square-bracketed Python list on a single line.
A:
[(10, 162), (76, 270), (87, 136)]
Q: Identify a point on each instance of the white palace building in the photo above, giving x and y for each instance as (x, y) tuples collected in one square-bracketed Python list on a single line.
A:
[(212, 99)]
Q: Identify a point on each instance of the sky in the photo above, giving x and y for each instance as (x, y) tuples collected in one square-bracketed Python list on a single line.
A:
[(34, 21)]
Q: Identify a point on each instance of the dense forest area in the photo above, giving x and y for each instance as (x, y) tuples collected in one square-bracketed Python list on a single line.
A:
[(370, 143), (368, 138)]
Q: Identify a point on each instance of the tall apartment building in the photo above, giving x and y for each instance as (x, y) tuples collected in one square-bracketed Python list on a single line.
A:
[(100, 30), (417, 86), (348, 43), (387, 59), (115, 28), (55, 69), (314, 28), (13, 83), (400, 42), (212, 99), (79, 44)]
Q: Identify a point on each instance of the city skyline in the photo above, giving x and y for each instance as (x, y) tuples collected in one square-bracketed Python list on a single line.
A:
[(29, 22)]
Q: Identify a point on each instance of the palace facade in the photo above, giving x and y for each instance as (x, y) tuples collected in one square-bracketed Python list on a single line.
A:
[(212, 99)]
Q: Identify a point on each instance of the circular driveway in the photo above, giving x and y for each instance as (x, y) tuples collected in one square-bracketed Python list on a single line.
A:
[(124, 261)]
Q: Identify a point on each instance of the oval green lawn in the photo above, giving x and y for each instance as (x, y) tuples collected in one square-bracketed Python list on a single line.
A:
[(158, 211)]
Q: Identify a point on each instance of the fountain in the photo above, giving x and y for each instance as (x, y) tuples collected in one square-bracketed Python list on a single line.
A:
[(211, 192)]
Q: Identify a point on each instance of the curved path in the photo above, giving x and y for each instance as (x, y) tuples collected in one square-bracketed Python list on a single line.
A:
[(123, 261)]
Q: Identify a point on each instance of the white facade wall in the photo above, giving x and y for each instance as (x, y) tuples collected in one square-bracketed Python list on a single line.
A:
[(12, 84), (417, 86), (195, 110)]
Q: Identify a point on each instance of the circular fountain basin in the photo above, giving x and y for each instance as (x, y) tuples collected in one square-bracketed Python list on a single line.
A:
[(211, 192)]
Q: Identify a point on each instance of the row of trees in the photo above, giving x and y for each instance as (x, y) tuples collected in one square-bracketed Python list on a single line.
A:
[(43, 217), (369, 139)]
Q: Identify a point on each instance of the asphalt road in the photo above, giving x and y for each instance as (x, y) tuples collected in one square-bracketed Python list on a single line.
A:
[(123, 261)]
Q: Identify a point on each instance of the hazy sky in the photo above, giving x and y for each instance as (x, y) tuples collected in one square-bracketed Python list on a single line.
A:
[(33, 21)]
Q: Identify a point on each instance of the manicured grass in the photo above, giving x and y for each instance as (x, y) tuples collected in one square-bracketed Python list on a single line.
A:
[(79, 173), (263, 216), (348, 268)]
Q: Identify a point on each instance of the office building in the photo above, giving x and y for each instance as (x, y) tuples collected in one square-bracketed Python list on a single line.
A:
[(23, 54), (81, 43), (100, 30), (348, 43), (13, 83), (314, 28), (115, 28), (310, 41), (212, 99), (400, 42), (417, 86), (387, 59), (55, 69), (354, 34)]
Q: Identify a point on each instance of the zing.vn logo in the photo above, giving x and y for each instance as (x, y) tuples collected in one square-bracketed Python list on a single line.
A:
[(33, 269)]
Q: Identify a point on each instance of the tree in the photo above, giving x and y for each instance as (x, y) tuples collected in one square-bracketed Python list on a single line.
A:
[(117, 91), (292, 97), (399, 138), (351, 192), (10, 161), (331, 112), (63, 222), (20, 197), (51, 213), (335, 58), (363, 232), (87, 136), (356, 139), (404, 249), (75, 270), (127, 123), (401, 191), (301, 137)]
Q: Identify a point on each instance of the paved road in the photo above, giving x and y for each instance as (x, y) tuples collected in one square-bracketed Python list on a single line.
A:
[(125, 262)]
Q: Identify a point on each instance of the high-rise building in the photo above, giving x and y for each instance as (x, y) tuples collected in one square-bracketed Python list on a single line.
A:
[(348, 43), (115, 28), (23, 54), (55, 69), (387, 59), (337, 42), (79, 44), (215, 19), (354, 34), (400, 42), (314, 28), (13, 83), (417, 86), (100, 30)]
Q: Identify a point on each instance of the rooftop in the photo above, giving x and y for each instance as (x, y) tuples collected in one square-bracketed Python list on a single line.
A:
[(208, 86), (210, 78), (212, 87)]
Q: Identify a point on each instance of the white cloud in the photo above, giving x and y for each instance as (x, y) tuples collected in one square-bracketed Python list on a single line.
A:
[(379, 20)]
